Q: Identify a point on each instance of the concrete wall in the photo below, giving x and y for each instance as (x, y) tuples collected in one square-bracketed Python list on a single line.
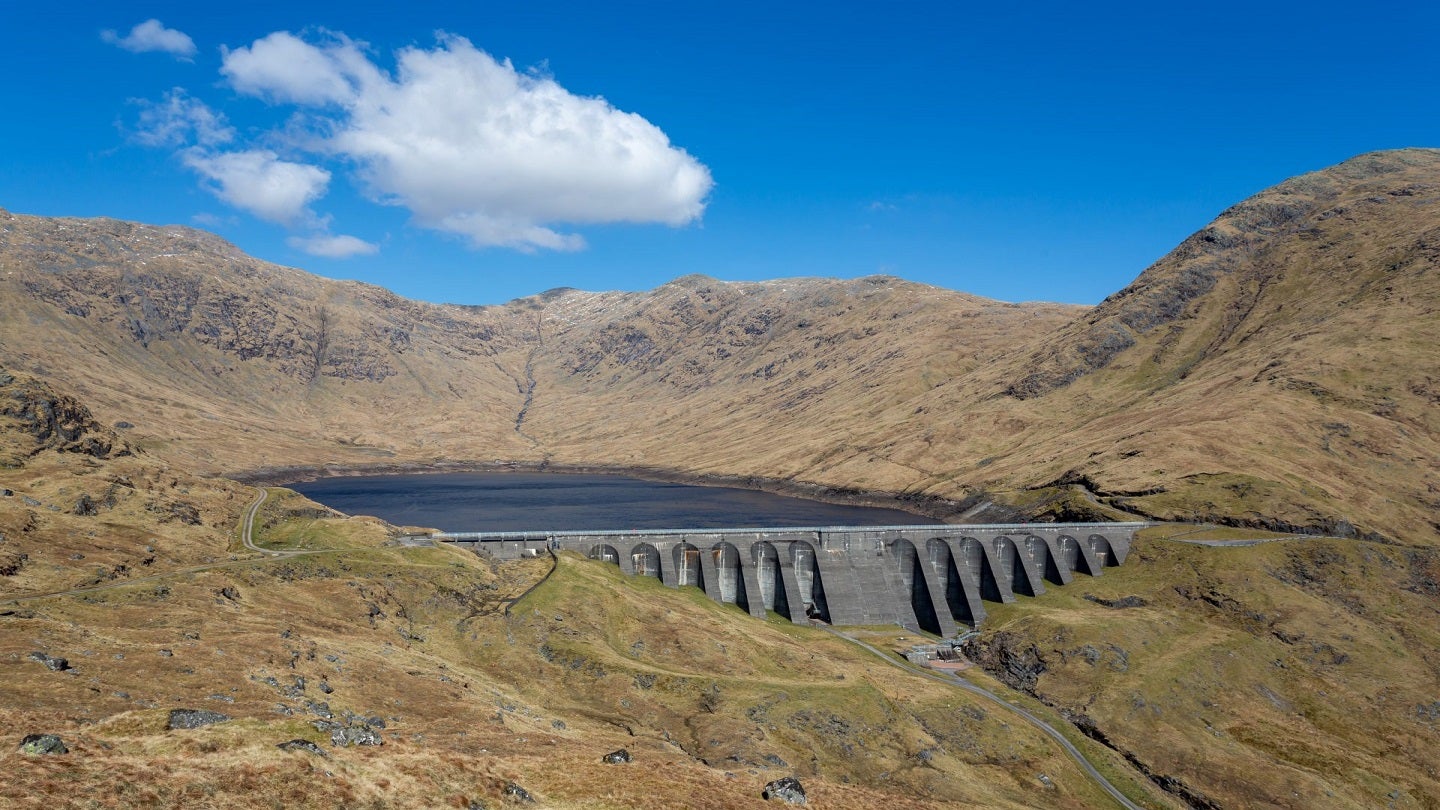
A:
[(932, 578)]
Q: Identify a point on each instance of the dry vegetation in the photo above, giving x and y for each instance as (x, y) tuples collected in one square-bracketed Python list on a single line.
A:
[(1278, 370), (1295, 673), (710, 703)]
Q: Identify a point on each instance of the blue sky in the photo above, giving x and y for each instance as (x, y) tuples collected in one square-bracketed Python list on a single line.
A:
[(1037, 151)]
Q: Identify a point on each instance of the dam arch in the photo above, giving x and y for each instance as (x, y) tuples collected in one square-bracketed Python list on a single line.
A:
[(978, 566), (1042, 562), (1013, 568), (768, 573), (1099, 546), (1067, 552), (645, 560), (913, 579), (962, 597), (805, 561), (686, 560), (730, 580)]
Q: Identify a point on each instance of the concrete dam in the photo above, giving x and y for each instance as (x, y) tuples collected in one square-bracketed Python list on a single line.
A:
[(932, 578)]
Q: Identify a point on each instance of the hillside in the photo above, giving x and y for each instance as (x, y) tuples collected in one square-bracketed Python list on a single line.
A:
[(1276, 369), (200, 350), (125, 595)]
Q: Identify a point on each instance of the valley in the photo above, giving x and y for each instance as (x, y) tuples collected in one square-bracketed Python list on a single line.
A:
[(1274, 378)]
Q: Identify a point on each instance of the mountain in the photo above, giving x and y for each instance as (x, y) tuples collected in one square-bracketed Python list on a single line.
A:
[(1277, 369), (201, 350)]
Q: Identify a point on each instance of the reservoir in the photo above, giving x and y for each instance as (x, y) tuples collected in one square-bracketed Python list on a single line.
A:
[(520, 501)]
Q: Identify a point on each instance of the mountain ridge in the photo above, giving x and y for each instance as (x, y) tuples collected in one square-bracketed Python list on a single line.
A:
[(1216, 386), (1298, 390)]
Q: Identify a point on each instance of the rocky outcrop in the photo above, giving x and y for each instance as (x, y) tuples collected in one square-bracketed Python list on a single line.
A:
[(302, 745), (193, 718), (51, 662), (1016, 661), (786, 789), (619, 757), (42, 744), (54, 421), (356, 734), (516, 794)]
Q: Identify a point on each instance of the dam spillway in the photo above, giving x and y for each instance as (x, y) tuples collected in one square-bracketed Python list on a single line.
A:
[(931, 578)]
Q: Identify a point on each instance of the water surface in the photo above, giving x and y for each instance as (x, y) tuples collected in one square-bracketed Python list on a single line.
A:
[(505, 501)]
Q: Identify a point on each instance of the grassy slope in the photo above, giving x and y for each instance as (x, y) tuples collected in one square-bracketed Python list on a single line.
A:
[(468, 710), (709, 701), (1276, 368), (1297, 673), (1288, 674)]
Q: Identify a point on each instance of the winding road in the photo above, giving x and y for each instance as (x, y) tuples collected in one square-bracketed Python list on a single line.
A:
[(1049, 730), (247, 537), (247, 523)]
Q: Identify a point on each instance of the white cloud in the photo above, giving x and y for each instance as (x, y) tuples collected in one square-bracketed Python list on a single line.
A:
[(340, 246), (258, 181), (282, 67), (471, 146), (152, 35), (178, 119)]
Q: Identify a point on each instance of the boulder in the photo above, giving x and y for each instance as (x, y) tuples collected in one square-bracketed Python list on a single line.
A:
[(302, 745), (516, 794), (38, 744), (787, 789), (616, 757), (194, 718), (361, 734), (52, 662)]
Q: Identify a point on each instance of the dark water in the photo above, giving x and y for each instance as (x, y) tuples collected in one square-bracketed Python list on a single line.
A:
[(558, 502)]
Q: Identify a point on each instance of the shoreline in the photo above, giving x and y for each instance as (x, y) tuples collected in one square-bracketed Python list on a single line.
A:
[(933, 507)]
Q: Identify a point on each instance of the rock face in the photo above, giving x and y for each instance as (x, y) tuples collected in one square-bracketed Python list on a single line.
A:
[(40, 744), (786, 789), (52, 420), (193, 718)]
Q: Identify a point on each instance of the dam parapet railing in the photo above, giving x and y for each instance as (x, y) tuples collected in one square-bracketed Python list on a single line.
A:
[(931, 577)]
